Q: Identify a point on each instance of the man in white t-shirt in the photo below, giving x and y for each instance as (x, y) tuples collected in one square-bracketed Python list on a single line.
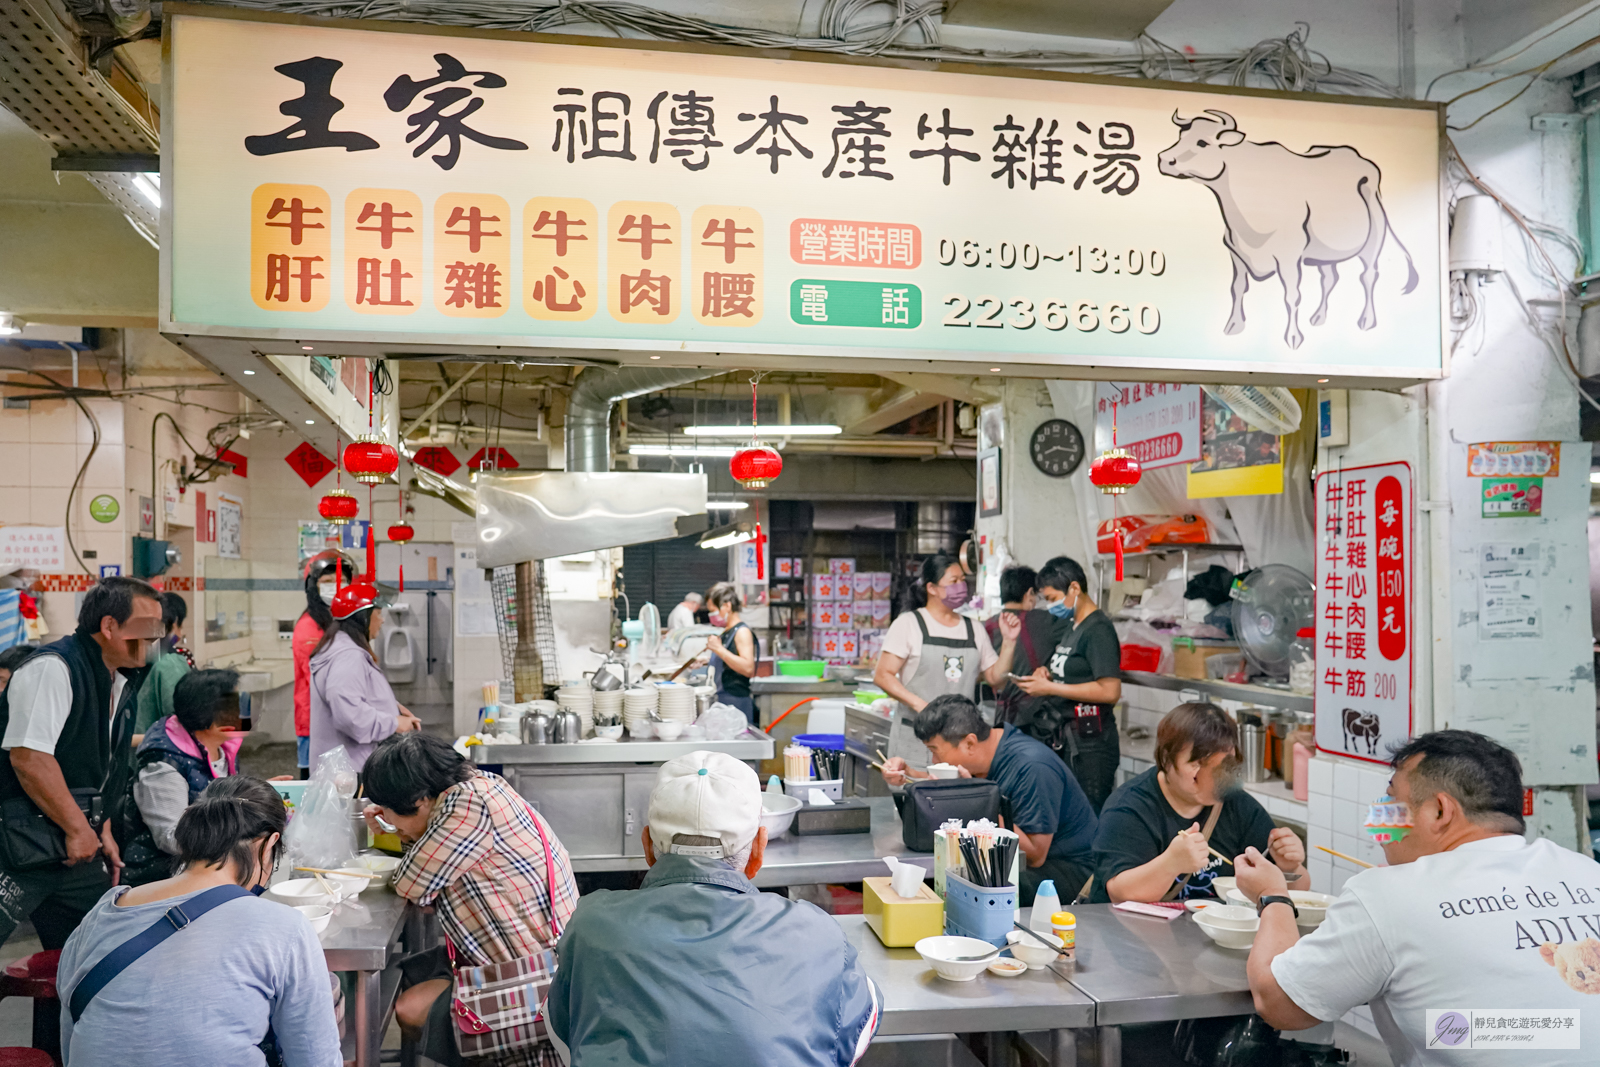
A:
[(1473, 940), (682, 616)]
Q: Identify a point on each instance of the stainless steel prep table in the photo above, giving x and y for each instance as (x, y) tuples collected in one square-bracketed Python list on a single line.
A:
[(596, 795), (368, 935)]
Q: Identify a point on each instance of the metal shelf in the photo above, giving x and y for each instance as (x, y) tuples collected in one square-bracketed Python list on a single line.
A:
[(1255, 694)]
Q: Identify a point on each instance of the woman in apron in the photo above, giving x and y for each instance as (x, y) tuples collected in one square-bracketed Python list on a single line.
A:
[(933, 651), (734, 650)]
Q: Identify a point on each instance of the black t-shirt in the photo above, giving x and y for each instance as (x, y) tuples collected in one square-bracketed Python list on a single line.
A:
[(1040, 633), (1087, 652), (1137, 824)]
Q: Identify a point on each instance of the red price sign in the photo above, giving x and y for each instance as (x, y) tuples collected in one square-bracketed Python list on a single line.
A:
[(312, 466)]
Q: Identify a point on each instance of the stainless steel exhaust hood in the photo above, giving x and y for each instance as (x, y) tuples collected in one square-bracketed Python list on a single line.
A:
[(525, 515)]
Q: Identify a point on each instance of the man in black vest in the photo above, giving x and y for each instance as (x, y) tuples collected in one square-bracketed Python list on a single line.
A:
[(65, 723)]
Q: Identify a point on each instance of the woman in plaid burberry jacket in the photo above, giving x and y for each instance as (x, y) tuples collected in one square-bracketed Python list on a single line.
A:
[(474, 853)]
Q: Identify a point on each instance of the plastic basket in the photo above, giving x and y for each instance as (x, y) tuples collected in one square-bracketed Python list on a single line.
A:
[(826, 742), (1141, 658), (801, 668), (976, 911)]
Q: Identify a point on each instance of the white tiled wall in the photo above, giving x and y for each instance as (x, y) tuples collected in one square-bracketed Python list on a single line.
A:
[(1340, 791)]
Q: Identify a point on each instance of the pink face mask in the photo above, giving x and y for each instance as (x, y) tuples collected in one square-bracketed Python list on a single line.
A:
[(718, 620), (954, 596)]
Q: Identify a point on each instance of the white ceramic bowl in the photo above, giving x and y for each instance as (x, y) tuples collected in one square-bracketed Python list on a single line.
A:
[(295, 891), (1221, 886), (944, 770), (1029, 951), (377, 863), (1229, 917), (939, 950), (1007, 968), (1222, 935), (669, 731), (350, 881), (1313, 907), (613, 733), (777, 813), (318, 915)]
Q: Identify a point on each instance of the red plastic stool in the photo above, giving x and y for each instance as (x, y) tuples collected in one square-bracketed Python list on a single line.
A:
[(25, 1057), (35, 977)]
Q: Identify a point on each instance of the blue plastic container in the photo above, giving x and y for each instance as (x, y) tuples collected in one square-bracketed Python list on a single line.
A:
[(826, 742), (977, 911)]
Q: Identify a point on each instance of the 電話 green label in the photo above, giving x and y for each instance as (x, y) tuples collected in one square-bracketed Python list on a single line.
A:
[(878, 305)]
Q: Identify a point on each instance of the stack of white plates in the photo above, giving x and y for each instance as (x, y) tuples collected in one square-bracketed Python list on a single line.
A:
[(677, 702), (608, 704), (637, 704), (578, 698)]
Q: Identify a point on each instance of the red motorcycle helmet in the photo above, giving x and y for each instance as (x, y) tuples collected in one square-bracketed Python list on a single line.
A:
[(352, 599)]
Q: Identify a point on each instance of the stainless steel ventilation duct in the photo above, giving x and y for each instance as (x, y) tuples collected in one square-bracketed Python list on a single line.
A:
[(589, 409)]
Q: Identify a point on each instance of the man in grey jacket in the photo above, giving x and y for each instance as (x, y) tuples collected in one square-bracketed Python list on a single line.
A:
[(697, 965)]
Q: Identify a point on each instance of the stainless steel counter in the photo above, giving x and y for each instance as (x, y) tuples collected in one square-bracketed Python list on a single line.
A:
[(367, 935), (1140, 969), (793, 860), (628, 750), (1271, 696)]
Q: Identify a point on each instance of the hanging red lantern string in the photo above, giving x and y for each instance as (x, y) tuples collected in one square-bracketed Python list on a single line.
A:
[(755, 467), (401, 534), (337, 506), (1114, 472), (761, 546)]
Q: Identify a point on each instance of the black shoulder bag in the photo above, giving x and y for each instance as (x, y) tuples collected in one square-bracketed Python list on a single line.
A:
[(927, 803)]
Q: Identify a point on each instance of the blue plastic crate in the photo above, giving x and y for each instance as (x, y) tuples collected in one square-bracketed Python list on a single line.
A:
[(976, 911)]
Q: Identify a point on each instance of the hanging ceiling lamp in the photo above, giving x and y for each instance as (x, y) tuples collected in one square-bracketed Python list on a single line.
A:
[(757, 465), (1114, 472)]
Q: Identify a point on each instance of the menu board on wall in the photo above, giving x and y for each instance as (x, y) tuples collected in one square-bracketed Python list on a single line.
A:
[(1365, 621), (329, 182)]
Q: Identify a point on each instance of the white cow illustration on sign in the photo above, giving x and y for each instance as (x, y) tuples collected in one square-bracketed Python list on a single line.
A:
[(1284, 210)]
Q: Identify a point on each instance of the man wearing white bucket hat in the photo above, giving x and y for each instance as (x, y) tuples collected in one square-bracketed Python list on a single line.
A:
[(696, 964)]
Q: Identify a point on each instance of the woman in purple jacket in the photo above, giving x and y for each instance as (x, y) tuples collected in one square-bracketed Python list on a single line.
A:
[(351, 702)]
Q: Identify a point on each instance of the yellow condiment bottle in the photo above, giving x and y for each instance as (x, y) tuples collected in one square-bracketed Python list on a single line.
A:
[(1064, 925)]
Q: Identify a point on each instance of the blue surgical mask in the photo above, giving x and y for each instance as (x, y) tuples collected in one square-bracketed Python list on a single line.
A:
[(1058, 608)]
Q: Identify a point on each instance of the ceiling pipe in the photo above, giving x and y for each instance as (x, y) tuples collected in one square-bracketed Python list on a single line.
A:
[(588, 431)]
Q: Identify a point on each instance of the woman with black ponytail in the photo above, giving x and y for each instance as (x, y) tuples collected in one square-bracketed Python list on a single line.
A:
[(139, 995)]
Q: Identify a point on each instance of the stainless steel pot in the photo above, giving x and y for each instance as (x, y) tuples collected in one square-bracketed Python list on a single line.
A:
[(536, 728), (568, 728)]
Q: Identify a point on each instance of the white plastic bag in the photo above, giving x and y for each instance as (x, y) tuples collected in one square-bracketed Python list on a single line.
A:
[(723, 723), (322, 833)]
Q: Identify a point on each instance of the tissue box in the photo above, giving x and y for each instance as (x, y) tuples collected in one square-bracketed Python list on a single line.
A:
[(841, 565), (826, 645), (783, 566), (849, 646), (842, 817), (844, 587), (843, 618), (822, 616), (880, 585), (822, 587), (900, 922)]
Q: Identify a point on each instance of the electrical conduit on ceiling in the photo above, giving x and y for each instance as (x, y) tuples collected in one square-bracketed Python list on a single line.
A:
[(588, 430)]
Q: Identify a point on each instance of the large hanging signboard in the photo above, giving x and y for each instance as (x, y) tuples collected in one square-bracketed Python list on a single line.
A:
[(339, 183), (1365, 636)]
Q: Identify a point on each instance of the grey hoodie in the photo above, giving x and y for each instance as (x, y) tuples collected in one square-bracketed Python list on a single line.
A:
[(351, 702)]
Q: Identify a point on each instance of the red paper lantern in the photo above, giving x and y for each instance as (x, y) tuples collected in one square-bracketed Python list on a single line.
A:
[(338, 507), (1115, 471), (401, 533), (370, 460), (755, 467)]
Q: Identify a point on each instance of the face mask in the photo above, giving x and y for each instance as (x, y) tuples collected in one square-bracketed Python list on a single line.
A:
[(953, 595), (1388, 821), (719, 620), (325, 590), (1058, 608)]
